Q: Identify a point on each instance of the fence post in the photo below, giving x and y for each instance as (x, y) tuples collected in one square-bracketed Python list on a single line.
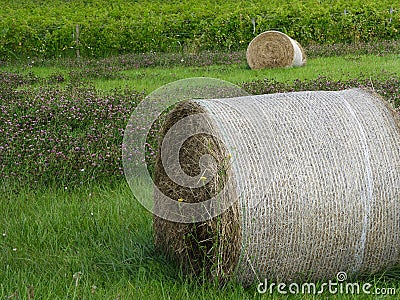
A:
[(78, 55)]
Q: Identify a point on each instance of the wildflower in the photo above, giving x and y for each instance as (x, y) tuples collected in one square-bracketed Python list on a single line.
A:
[(202, 178), (76, 277), (94, 289), (14, 249), (229, 156), (4, 234), (180, 200)]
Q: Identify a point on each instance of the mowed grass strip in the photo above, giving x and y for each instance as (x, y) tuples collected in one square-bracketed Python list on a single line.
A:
[(335, 68), (150, 78)]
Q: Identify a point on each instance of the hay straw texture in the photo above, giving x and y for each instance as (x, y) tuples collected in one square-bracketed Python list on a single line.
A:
[(316, 176), (274, 49), (193, 245)]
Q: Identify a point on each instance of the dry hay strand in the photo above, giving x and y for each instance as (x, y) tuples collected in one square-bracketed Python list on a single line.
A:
[(274, 49), (317, 181), (390, 106)]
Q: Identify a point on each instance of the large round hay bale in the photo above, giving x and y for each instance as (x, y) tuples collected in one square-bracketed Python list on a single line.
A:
[(273, 49), (312, 180)]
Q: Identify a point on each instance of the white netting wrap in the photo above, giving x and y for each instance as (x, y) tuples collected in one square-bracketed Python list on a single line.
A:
[(317, 176)]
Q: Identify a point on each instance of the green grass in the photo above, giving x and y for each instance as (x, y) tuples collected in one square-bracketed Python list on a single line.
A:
[(336, 68), (49, 237), (96, 243), (101, 235), (149, 79)]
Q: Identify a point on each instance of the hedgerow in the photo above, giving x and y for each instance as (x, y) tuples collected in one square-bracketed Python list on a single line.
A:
[(49, 28)]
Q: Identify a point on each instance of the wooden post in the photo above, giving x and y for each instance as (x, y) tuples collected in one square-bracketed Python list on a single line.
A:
[(391, 13), (78, 55)]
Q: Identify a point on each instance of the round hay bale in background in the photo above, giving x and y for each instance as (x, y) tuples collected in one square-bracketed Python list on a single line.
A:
[(316, 181), (273, 49)]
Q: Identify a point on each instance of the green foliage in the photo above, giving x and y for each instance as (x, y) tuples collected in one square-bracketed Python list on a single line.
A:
[(48, 29)]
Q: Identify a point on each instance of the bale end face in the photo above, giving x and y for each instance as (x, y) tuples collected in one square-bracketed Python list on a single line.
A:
[(274, 49), (211, 247)]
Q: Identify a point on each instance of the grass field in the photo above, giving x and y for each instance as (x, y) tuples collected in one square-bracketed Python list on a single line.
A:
[(344, 68), (94, 240), (150, 78), (96, 243)]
